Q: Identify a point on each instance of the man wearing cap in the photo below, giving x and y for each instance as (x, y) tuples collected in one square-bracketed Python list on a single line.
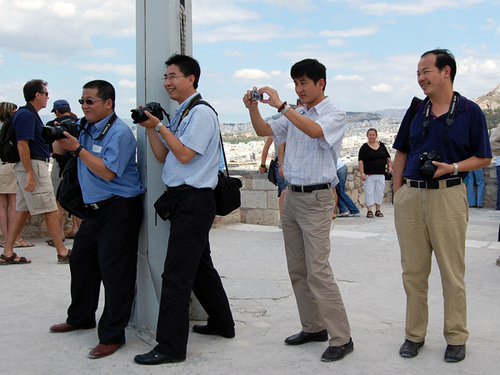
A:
[(62, 111), (34, 188)]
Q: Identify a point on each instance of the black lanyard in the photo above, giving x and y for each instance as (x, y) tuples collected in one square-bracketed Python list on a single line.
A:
[(449, 120)]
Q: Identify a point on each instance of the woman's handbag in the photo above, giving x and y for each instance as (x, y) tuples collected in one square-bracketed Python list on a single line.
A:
[(271, 173), (227, 192)]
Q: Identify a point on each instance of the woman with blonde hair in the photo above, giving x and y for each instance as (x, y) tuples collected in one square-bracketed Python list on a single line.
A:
[(8, 185)]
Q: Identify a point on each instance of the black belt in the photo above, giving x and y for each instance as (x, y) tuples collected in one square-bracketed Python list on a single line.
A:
[(434, 184), (95, 206), (41, 158), (308, 188), (179, 188)]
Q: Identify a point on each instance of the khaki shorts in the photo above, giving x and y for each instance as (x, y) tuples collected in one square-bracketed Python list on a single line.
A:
[(42, 199)]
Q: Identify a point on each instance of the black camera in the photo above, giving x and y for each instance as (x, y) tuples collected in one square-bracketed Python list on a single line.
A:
[(53, 133), (425, 159), (256, 95), (154, 108)]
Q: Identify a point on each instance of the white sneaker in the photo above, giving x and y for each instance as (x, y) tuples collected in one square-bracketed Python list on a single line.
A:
[(343, 214), (354, 215)]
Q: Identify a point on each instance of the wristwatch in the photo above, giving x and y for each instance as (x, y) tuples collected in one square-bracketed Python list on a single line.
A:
[(158, 127)]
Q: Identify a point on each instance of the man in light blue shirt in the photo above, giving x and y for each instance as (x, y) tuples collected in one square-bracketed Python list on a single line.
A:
[(313, 135), (190, 148)]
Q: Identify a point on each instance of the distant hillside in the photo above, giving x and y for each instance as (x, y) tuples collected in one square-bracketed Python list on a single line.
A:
[(490, 101)]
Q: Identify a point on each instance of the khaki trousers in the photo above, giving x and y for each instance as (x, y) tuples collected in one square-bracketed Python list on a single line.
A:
[(430, 220), (306, 229)]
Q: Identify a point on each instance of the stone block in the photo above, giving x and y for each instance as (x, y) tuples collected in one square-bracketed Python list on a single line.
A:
[(262, 217), (254, 199), (273, 200)]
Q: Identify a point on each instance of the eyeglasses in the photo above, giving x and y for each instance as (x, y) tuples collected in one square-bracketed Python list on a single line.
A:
[(89, 101), (46, 93), (170, 77)]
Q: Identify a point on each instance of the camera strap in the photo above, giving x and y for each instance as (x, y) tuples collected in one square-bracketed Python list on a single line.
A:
[(197, 99), (449, 119)]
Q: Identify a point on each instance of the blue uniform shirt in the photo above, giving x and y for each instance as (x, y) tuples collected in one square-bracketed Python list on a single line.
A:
[(118, 150), (468, 136), (199, 131)]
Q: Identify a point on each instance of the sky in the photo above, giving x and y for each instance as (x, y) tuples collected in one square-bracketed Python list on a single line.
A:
[(370, 48)]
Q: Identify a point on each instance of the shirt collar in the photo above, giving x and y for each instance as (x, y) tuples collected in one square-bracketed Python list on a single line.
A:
[(319, 108), (184, 104), (99, 125)]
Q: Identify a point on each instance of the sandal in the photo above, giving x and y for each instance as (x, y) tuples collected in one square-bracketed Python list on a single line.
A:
[(23, 243), (6, 261), (379, 214), (498, 261), (369, 214), (63, 259)]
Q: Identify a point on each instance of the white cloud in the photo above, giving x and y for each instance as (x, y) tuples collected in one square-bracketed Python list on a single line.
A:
[(122, 70), (229, 53), (127, 83), (355, 32), (383, 87), (240, 32), (292, 4), (408, 8), (342, 77), (251, 74), (225, 11)]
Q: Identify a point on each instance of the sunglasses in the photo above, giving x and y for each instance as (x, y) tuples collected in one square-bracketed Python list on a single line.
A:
[(89, 101), (44, 93)]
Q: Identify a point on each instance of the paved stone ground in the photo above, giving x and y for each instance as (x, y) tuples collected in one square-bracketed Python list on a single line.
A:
[(250, 258)]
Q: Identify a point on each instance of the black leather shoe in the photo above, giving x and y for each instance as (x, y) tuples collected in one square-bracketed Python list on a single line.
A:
[(65, 327), (228, 333), (454, 353), (304, 337), (334, 353), (409, 349), (155, 358)]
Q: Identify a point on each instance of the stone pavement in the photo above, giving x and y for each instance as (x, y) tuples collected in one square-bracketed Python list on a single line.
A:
[(250, 258)]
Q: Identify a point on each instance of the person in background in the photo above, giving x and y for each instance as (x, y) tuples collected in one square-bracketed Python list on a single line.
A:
[(474, 198), (62, 111), (372, 159), (8, 186), (495, 149), (279, 152), (34, 189), (345, 204)]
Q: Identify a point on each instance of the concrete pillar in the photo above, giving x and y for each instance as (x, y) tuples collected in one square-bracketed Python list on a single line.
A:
[(163, 28)]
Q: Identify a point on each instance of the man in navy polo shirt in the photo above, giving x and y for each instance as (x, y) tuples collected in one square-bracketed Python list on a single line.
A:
[(34, 187), (446, 138)]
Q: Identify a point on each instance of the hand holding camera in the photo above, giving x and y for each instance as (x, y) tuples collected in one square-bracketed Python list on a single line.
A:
[(150, 120)]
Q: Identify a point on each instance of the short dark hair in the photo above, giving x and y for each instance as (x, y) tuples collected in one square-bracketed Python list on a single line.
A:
[(32, 87), (311, 68), (105, 90), (372, 130), (187, 65), (444, 57)]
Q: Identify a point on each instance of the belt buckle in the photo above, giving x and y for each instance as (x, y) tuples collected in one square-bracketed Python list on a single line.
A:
[(422, 184), (94, 206)]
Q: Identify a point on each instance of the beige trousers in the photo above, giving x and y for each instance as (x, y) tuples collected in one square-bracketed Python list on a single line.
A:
[(306, 229), (430, 220)]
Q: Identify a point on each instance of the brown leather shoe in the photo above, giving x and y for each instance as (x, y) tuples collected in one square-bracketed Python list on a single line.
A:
[(103, 350), (65, 327)]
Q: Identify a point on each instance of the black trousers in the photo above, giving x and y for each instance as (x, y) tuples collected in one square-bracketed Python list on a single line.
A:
[(105, 250), (189, 267)]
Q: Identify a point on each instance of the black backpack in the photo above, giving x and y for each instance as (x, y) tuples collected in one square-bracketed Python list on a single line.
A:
[(8, 143)]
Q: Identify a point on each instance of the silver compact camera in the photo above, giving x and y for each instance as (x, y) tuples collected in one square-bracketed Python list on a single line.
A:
[(255, 95)]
